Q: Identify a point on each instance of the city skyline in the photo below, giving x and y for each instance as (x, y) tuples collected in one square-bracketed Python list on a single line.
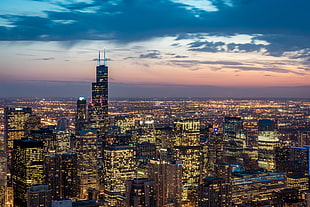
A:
[(169, 48)]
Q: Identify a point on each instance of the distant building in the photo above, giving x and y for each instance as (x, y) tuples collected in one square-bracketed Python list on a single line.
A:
[(303, 138), (27, 168), (215, 151), (63, 124), (62, 203), (167, 175), (252, 186), (124, 123), (233, 128), (234, 140), (64, 142), (140, 192), (15, 120), (39, 195), (81, 114), (2, 192), (48, 137), (267, 140), (61, 175), (214, 191), (165, 136), (147, 132)]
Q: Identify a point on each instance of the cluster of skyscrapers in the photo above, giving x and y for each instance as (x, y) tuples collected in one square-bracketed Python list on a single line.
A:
[(116, 161)]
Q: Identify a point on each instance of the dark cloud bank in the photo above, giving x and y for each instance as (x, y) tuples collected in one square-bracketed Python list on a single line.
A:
[(284, 24)]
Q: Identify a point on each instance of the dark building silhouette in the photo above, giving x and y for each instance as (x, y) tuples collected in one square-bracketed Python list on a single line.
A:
[(140, 192), (98, 107), (214, 191), (63, 124), (48, 137), (167, 175), (39, 195), (61, 175)]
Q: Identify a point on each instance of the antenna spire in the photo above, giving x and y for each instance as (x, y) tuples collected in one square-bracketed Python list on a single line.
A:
[(104, 59), (99, 59)]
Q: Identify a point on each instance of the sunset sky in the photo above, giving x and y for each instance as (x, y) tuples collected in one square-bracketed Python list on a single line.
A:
[(156, 48)]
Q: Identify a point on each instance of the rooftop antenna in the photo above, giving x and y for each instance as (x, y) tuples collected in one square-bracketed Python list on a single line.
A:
[(99, 59), (104, 59)]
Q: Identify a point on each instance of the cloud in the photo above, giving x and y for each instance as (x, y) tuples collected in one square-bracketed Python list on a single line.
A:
[(48, 58), (266, 69), (206, 46), (283, 25), (189, 63), (101, 59), (153, 55), (180, 56)]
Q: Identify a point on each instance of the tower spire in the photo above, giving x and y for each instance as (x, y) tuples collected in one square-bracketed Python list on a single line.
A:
[(104, 59), (99, 59)]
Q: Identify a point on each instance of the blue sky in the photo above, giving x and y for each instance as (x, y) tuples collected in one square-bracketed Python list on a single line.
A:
[(207, 48)]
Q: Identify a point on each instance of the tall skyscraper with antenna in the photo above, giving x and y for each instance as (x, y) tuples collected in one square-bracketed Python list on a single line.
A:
[(98, 107)]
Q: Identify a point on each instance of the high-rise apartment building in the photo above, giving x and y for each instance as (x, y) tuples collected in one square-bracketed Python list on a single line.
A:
[(167, 175), (88, 150), (27, 168), (118, 166), (267, 140), (98, 119), (188, 149), (15, 120)]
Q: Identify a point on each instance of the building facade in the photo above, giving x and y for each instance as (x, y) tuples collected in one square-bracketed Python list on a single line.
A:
[(27, 168)]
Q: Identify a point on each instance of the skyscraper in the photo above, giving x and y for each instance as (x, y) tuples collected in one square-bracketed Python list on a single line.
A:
[(27, 168), (61, 175), (233, 128), (98, 107), (119, 166), (88, 152), (167, 174), (234, 140), (268, 139), (81, 114), (187, 148)]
